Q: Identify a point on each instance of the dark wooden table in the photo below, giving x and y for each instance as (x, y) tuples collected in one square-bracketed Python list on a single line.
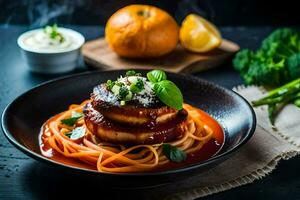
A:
[(24, 178)]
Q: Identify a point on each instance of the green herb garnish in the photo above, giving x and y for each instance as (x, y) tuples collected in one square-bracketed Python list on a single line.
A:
[(132, 73), (173, 153), (52, 32), (110, 84), (76, 133), (137, 86), (119, 83), (68, 134), (169, 94), (156, 75), (123, 92), (165, 90), (73, 119), (297, 102)]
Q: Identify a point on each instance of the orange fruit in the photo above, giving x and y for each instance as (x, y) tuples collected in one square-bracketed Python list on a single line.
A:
[(199, 35), (139, 31)]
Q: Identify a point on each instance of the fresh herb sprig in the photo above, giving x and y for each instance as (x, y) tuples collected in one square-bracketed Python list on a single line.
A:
[(123, 92), (52, 32), (132, 73), (165, 90), (73, 119), (137, 85), (173, 153), (156, 76), (169, 94)]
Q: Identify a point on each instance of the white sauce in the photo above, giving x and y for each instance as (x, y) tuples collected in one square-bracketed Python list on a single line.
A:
[(38, 41)]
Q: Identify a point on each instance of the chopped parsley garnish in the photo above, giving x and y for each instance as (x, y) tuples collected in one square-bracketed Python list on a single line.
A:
[(123, 92), (53, 33), (73, 119), (173, 153), (132, 73), (137, 86), (110, 84), (119, 83)]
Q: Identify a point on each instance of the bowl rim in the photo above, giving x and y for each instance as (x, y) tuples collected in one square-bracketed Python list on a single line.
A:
[(193, 166), (78, 36)]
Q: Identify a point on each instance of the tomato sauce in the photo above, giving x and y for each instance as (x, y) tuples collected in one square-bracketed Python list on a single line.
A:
[(209, 149)]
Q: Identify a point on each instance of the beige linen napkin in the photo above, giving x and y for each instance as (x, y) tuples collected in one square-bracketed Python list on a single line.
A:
[(255, 160)]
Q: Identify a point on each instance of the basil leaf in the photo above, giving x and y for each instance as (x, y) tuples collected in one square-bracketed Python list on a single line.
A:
[(173, 153), (73, 119), (156, 75), (76, 133), (169, 94), (68, 134)]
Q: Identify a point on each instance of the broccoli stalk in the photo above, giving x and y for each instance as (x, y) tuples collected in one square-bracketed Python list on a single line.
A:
[(289, 92), (281, 92), (271, 113), (297, 102)]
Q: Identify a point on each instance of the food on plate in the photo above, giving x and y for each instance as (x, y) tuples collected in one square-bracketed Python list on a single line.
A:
[(132, 124), (279, 97), (199, 35), (139, 31), (276, 62)]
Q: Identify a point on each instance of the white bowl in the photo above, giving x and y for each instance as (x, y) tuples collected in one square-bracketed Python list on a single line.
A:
[(52, 61)]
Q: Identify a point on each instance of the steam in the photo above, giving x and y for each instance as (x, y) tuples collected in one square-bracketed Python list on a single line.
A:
[(40, 12), (202, 8)]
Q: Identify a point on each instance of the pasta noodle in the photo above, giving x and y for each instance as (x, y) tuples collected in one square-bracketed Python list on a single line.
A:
[(108, 157)]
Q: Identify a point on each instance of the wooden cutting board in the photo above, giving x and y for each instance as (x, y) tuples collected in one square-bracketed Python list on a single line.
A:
[(96, 53)]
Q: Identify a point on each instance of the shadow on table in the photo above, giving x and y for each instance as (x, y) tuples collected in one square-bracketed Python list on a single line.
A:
[(50, 182)]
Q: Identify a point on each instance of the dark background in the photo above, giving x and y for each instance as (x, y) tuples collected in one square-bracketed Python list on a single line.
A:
[(245, 22), (95, 12)]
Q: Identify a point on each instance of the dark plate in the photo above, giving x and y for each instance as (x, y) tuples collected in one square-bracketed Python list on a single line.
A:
[(23, 118)]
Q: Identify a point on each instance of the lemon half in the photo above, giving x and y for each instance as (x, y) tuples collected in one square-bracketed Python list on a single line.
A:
[(199, 35)]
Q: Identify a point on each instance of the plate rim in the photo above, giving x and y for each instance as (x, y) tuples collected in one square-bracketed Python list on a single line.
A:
[(39, 157)]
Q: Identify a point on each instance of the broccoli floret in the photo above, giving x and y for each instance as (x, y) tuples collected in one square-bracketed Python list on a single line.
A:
[(277, 60), (293, 65), (242, 60), (263, 72), (283, 41), (287, 36)]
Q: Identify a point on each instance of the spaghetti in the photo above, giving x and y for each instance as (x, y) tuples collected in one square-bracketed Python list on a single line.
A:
[(108, 157)]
